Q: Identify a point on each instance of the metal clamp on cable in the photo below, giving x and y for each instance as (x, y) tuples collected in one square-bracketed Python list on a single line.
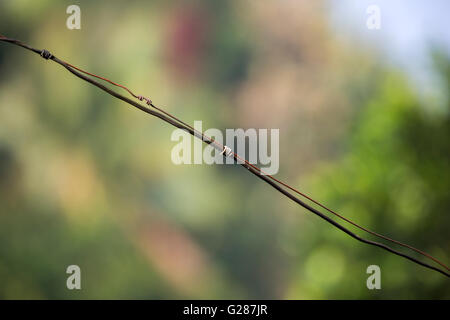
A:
[(227, 151), (46, 54), (147, 100)]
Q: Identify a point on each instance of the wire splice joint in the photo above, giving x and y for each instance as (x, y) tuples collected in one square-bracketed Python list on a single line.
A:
[(227, 151), (46, 54), (147, 100)]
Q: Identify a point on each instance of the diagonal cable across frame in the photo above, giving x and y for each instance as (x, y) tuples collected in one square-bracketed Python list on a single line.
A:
[(275, 183)]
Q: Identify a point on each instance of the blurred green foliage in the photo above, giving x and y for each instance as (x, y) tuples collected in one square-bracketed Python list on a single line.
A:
[(86, 180)]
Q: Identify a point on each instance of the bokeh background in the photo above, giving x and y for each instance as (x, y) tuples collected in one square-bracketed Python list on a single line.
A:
[(87, 180)]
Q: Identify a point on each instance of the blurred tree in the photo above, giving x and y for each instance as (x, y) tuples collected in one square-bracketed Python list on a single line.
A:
[(395, 179)]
